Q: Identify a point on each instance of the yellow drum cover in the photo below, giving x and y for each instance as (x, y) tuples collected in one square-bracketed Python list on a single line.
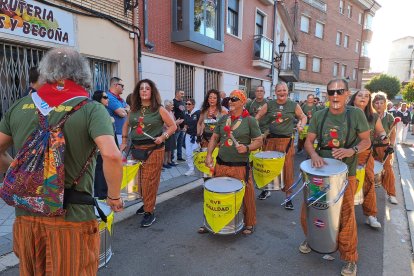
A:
[(266, 166), (200, 161), (360, 176), (304, 132), (129, 171)]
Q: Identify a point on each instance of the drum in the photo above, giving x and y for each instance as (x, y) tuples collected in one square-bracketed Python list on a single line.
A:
[(223, 205), (359, 193), (205, 175), (378, 173), (105, 234), (130, 189), (262, 162), (323, 195)]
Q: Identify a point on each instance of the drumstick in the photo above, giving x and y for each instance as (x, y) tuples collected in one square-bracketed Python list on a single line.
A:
[(234, 140), (140, 131), (394, 124)]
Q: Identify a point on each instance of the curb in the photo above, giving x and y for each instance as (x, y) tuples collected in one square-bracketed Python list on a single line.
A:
[(10, 260)]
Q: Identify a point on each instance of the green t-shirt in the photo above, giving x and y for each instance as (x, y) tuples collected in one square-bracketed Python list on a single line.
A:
[(387, 122), (210, 122), (334, 132), (372, 124), (309, 111), (80, 130), (246, 130), (253, 107), (152, 124), (280, 117)]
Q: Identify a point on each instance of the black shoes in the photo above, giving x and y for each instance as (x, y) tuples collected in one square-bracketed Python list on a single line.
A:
[(140, 211), (289, 205), (148, 220), (264, 194)]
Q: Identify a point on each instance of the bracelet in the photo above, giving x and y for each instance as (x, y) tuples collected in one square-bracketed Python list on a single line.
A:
[(247, 148), (113, 198), (166, 135)]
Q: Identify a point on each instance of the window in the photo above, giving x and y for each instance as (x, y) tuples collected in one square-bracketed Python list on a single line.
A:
[(101, 74), (354, 73), (357, 46), (346, 41), (319, 27), (206, 18), (349, 11), (316, 64), (368, 22), (304, 24), (302, 61), (211, 80), (260, 18), (338, 38), (184, 79), (335, 69), (364, 50), (233, 17), (341, 6), (360, 18), (343, 73)]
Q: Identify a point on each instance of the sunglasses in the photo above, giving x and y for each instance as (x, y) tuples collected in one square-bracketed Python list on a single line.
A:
[(105, 97), (188, 104), (120, 85), (234, 99), (331, 92)]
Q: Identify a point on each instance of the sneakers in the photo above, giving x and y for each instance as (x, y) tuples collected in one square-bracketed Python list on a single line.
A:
[(181, 159), (167, 166), (148, 219), (189, 173), (349, 269), (393, 200), (289, 205), (264, 194), (373, 222), (172, 164), (304, 247), (140, 211)]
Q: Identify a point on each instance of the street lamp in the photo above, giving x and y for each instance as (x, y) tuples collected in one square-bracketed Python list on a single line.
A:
[(278, 58)]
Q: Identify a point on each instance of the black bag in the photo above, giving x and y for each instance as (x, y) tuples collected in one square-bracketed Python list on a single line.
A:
[(141, 154)]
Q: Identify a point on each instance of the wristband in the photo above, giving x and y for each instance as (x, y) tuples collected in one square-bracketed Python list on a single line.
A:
[(113, 198), (166, 135)]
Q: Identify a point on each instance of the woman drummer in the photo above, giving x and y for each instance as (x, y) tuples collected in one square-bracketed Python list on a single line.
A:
[(362, 100), (146, 121), (211, 112), (280, 115), (381, 150), (237, 134)]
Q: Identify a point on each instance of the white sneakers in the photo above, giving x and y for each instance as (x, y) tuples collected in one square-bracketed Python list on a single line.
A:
[(349, 269), (304, 247), (189, 173), (373, 222), (393, 200)]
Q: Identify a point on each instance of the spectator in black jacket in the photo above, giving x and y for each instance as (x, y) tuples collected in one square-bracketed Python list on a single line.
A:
[(402, 127), (190, 126)]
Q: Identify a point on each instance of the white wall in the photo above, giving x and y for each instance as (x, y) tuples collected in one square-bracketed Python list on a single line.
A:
[(230, 82), (199, 87)]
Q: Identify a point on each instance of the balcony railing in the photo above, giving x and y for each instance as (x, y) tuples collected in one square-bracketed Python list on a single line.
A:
[(289, 70), (320, 5), (262, 48)]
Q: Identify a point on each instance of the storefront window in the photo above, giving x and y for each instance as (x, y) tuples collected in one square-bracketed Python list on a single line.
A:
[(101, 74), (205, 17)]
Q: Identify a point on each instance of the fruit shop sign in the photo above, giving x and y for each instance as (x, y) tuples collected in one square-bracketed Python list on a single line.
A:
[(33, 20)]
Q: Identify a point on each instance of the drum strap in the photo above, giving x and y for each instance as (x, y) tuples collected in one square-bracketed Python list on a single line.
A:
[(348, 122), (72, 196)]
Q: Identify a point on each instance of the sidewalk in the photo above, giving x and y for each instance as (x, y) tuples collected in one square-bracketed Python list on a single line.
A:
[(170, 179)]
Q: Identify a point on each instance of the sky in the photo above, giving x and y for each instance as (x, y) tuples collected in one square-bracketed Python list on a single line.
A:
[(395, 19)]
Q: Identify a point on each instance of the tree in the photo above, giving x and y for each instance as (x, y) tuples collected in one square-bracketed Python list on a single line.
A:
[(385, 83), (408, 92)]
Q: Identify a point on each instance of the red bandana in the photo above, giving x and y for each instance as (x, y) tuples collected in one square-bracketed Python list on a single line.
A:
[(57, 93), (245, 114)]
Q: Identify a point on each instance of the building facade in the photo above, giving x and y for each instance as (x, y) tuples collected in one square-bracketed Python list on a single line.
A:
[(102, 31), (222, 44), (400, 62), (334, 36)]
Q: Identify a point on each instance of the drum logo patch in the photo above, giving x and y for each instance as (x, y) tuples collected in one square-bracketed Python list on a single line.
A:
[(319, 223), (317, 181)]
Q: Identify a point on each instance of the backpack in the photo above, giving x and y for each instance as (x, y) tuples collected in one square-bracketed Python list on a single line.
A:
[(35, 180)]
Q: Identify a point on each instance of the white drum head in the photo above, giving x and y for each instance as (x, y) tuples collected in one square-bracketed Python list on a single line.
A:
[(104, 207), (223, 185), (378, 167), (269, 155), (333, 167)]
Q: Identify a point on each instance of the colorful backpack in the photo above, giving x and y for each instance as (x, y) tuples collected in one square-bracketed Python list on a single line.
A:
[(35, 180)]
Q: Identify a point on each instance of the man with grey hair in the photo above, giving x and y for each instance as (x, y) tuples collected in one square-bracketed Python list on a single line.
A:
[(56, 245), (117, 107)]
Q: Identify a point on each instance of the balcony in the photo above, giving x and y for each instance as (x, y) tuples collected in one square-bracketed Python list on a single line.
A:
[(267, 2), (289, 71), (262, 52), (320, 5), (367, 35), (364, 63)]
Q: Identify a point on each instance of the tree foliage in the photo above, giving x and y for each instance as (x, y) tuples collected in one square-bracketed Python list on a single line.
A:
[(408, 92), (385, 83)]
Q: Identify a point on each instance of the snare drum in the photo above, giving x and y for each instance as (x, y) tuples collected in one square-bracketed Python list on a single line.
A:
[(262, 163), (130, 189), (378, 173), (105, 233), (359, 193), (223, 205)]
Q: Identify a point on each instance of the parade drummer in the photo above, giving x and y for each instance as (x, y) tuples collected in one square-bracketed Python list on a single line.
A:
[(237, 134), (342, 133), (256, 105), (211, 112), (362, 100), (146, 121), (309, 108), (380, 150), (279, 115)]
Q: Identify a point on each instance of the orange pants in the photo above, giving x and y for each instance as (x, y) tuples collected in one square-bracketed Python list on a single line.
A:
[(369, 206), (348, 236), (149, 178), (248, 200), (53, 246), (280, 144), (388, 178)]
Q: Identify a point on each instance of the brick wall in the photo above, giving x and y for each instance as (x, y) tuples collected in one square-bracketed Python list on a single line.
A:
[(238, 54)]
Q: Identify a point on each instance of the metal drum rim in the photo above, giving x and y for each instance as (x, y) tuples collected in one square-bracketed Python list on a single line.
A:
[(266, 151), (224, 177), (345, 169)]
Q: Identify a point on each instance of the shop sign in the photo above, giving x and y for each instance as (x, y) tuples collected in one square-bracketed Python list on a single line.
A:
[(33, 20)]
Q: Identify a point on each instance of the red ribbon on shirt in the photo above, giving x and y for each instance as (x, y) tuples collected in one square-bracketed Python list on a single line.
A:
[(57, 93)]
